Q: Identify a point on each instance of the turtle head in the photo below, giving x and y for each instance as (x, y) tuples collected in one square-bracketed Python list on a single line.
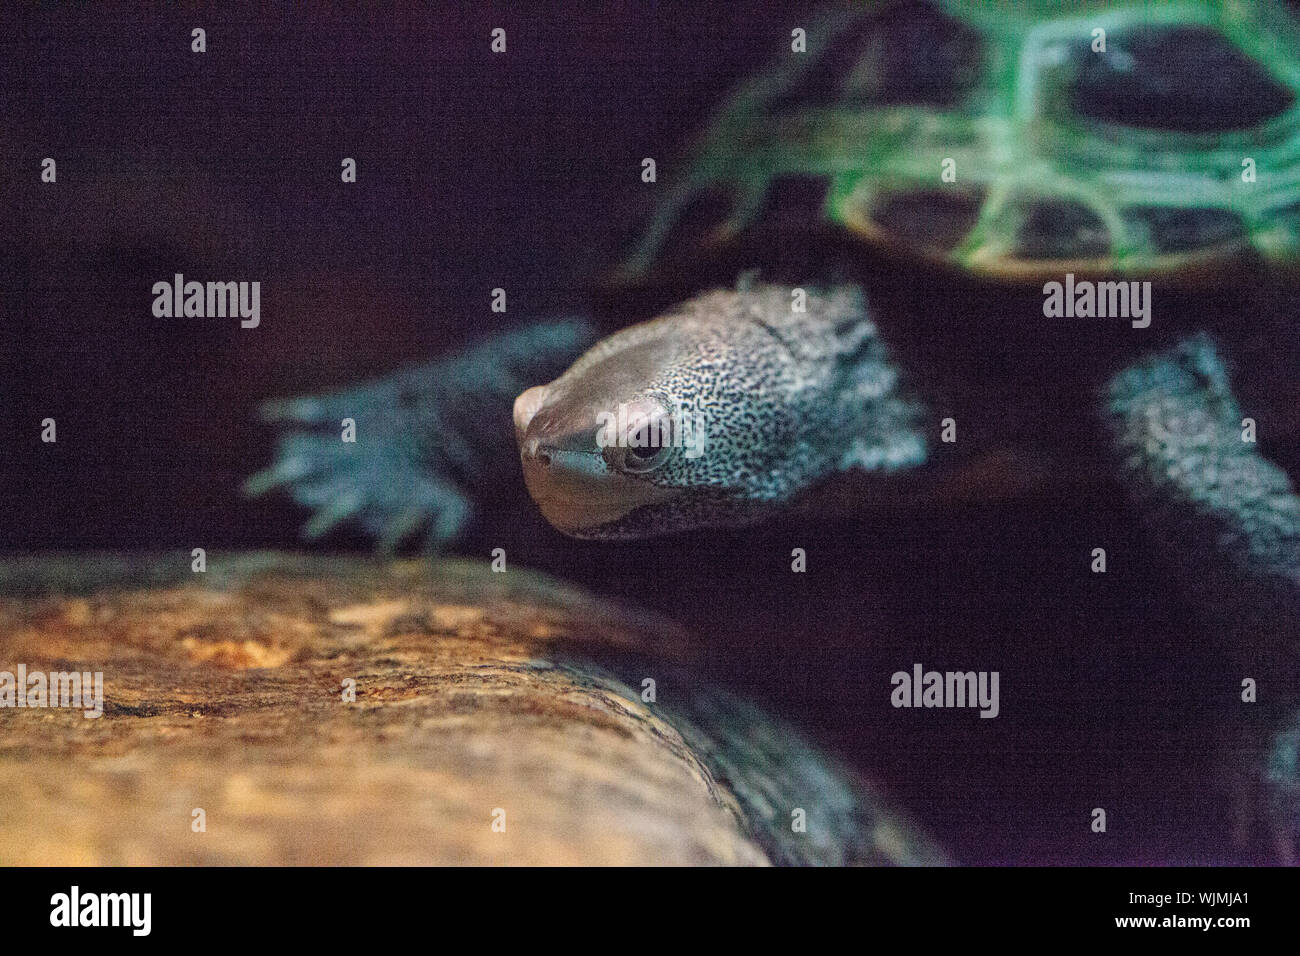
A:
[(618, 446), (713, 415), (663, 426), (582, 476)]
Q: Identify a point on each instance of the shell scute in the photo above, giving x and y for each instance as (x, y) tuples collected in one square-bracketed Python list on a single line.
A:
[(996, 139)]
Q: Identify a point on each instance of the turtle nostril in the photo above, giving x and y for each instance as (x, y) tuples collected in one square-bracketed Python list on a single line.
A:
[(533, 452)]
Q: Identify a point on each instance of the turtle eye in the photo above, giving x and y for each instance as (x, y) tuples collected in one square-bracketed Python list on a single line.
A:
[(638, 461), (648, 442)]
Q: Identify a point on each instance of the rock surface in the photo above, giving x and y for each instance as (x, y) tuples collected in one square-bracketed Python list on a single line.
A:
[(498, 719)]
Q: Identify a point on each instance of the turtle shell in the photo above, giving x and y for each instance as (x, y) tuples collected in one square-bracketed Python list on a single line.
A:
[(1011, 140)]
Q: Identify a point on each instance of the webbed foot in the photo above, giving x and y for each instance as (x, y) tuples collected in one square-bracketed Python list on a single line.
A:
[(411, 454)]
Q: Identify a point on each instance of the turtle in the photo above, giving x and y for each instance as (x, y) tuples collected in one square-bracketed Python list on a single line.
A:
[(939, 248)]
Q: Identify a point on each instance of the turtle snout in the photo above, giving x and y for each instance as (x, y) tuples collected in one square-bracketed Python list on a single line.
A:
[(526, 406), (534, 453)]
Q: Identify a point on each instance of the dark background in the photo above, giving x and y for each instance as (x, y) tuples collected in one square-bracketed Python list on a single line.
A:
[(477, 171)]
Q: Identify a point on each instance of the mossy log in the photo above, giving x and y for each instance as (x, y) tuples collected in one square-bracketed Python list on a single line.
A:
[(499, 718)]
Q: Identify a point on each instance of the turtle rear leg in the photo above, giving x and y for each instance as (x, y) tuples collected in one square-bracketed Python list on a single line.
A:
[(413, 452), (1228, 519)]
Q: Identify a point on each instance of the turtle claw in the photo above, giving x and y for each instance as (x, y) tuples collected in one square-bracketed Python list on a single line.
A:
[(285, 472), (335, 512), (400, 529), (308, 411)]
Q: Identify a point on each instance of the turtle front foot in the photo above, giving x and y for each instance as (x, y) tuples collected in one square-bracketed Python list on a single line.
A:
[(418, 452), (1228, 520), (341, 456)]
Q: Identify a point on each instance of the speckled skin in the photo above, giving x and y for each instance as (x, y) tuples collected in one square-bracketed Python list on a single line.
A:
[(786, 399)]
